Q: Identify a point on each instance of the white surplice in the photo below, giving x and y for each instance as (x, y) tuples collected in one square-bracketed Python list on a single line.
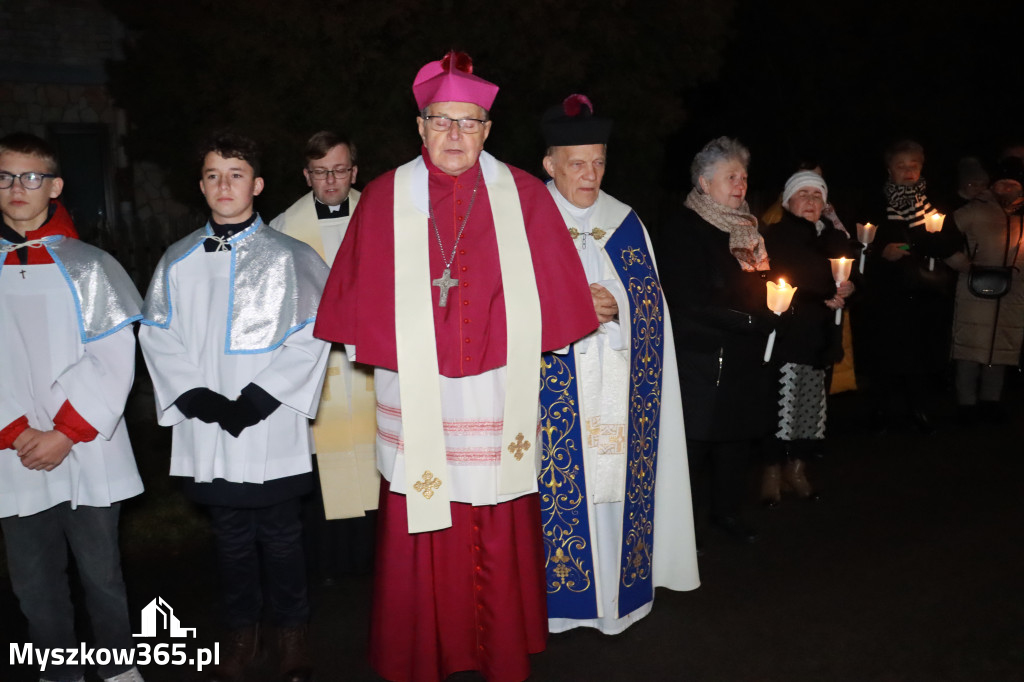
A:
[(43, 363), (603, 365), (189, 354)]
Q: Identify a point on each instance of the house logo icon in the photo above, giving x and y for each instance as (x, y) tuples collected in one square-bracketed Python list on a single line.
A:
[(158, 616)]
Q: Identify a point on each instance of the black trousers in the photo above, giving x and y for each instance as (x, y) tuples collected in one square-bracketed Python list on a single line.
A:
[(270, 538), (717, 477)]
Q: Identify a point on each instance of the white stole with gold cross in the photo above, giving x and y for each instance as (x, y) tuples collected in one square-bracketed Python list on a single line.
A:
[(426, 478)]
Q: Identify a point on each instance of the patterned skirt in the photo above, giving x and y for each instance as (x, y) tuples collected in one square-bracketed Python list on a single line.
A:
[(801, 403)]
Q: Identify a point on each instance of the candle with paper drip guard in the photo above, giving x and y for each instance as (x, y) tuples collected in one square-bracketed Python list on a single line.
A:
[(780, 296), (865, 235), (933, 224), (840, 273)]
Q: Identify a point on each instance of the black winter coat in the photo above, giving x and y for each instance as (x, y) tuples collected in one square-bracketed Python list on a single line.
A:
[(800, 255), (721, 324), (908, 308)]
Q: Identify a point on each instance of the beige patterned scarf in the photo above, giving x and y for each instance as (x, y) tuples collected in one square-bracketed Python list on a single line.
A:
[(745, 242)]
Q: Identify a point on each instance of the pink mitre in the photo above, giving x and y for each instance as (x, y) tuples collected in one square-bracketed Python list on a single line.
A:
[(451, 80)]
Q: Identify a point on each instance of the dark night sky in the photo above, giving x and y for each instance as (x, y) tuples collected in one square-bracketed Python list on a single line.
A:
[(791, 78), (839, 82)]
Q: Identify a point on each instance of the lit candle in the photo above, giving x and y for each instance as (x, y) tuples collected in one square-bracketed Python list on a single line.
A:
[(780, 296), (933, 224), (865, 235), (840, 273)]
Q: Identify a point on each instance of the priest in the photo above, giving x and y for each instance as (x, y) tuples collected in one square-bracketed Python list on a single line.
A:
[(453, 278), (615, 491), (345, 428)]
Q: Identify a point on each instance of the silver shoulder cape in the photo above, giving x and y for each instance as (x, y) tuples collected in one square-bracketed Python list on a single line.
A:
[(276, 283), (105, 296)]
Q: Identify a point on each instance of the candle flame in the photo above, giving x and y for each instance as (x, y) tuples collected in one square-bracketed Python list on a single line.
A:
[(782, 283)]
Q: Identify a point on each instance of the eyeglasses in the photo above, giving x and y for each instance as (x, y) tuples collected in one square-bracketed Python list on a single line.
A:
[(27, 180), (338, 173), (466, 125)]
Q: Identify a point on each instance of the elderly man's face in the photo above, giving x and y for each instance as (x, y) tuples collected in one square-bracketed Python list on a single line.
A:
[(332, 187), (807, 202), (577, 172), (905, 169), (452, 150)]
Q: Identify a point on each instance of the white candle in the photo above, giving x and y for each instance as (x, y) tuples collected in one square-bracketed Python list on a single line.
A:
[(933, 224), (779, 298), (840, 273), (865, 235)]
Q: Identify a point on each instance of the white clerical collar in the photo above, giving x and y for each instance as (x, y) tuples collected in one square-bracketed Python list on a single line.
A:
[(333, 209)]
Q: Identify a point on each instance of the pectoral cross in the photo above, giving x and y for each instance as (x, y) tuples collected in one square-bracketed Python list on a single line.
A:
[(444, 283), (23, 274)]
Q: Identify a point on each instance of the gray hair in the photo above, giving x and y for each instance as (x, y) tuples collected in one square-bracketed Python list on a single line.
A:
[(718, 150)]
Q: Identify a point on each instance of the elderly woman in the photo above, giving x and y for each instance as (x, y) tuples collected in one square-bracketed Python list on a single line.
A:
[(801, 244), (988, 332), (909, 294), (715, 289)]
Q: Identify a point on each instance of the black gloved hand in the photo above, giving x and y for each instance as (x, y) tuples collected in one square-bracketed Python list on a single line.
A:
[(203, 404), (252, 406)]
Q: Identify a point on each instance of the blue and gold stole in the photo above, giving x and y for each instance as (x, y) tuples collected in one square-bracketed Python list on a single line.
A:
[(570, 563)]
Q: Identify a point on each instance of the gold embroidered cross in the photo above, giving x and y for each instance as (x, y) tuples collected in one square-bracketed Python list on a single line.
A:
[(428, 485), (331, 372), (519, 446)]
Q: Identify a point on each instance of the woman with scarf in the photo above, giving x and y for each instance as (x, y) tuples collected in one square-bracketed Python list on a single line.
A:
[(715, 290), (801, 242), (908, 295)]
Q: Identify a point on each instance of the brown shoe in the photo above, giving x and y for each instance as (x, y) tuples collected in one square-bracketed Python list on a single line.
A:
[(795, 475), (296, 665), (771, 485), (239, 649)]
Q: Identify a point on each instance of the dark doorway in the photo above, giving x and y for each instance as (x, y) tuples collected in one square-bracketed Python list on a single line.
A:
[(84, 152)]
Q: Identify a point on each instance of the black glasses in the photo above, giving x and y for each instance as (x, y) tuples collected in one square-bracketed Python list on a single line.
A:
[(27, 180), (466, 125), (338, 173)]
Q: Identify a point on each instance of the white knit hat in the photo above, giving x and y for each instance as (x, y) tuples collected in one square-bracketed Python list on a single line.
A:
[(802, 179)]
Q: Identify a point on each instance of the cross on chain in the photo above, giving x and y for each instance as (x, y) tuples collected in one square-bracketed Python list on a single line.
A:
[(23, 274), (444, 283)]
